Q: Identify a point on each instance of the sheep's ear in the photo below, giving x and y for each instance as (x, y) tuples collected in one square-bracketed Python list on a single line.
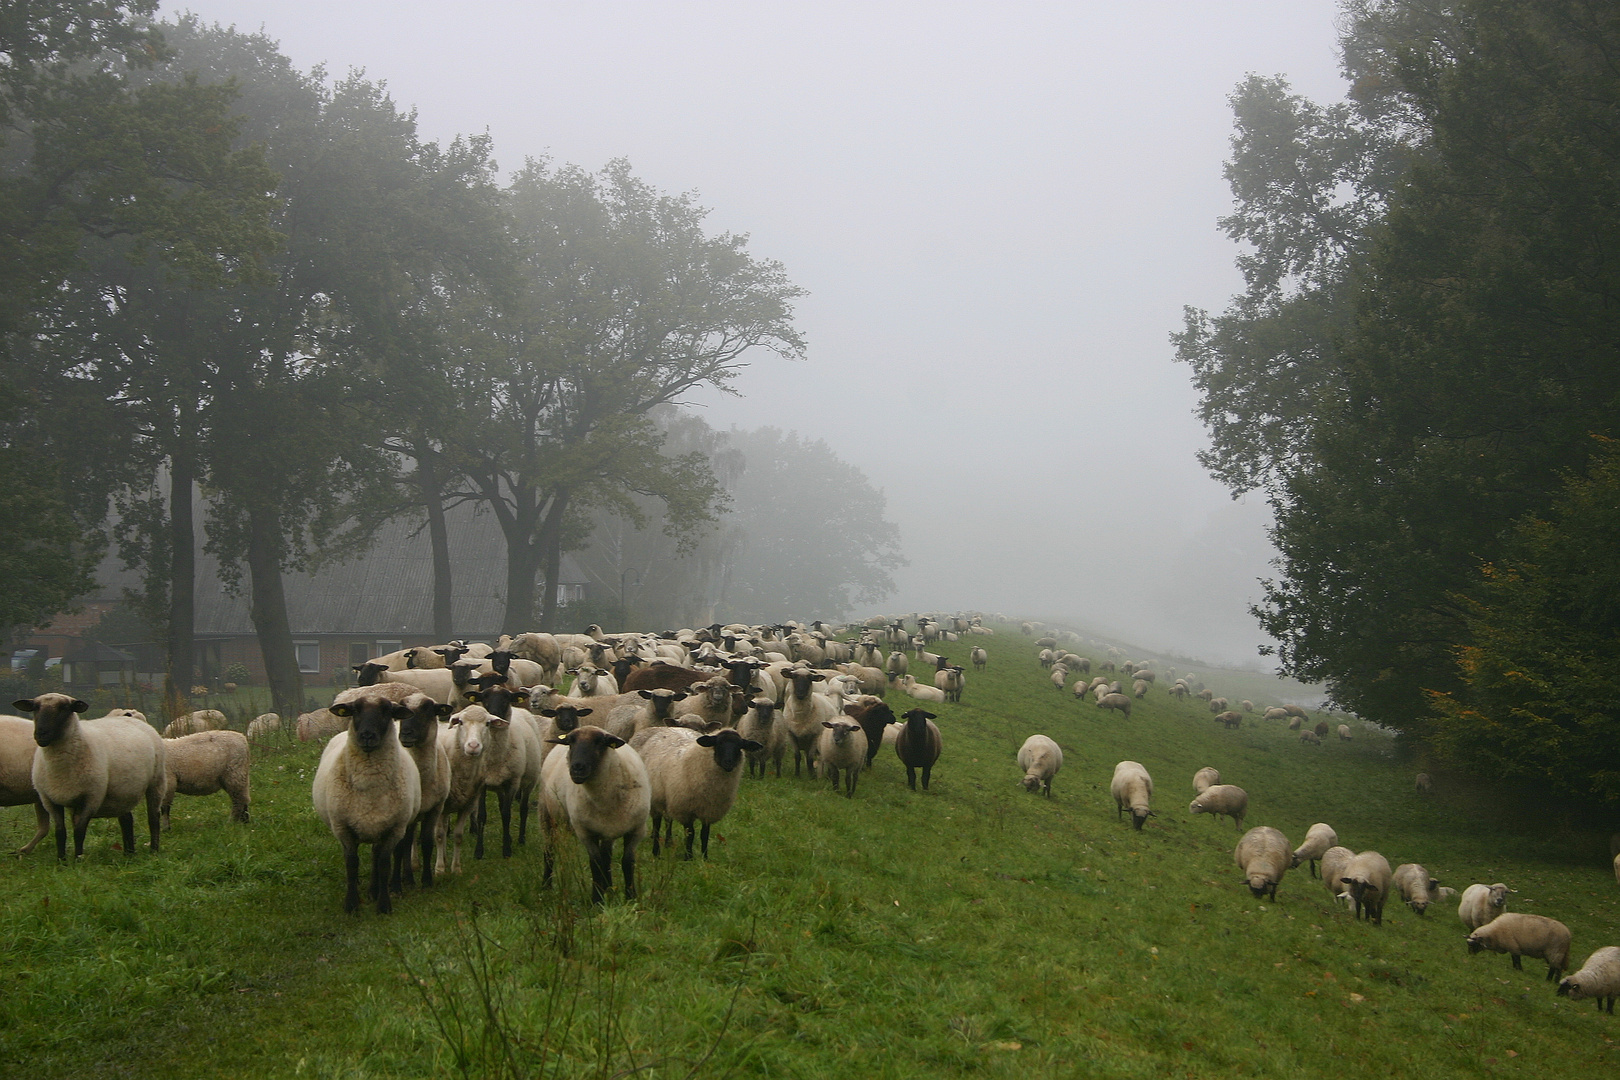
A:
[(613, 741), (750, 745), (817, 677), (756, 689), (583, 712), (400, 711), (24, 704), (648, 694), (442, 711), (358, 667), (706, 740), (343, 709), (474, 696), (520, 698), (828, 723), (565, 739)]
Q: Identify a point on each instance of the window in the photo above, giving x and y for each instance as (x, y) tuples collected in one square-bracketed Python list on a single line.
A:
[(359, 653), (309, 656), (569, 594), (386, 647)]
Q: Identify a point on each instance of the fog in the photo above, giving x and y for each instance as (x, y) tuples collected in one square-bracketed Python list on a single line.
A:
[(999, 212)]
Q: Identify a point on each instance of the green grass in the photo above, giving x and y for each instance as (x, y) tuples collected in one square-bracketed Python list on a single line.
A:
[(970, 930)]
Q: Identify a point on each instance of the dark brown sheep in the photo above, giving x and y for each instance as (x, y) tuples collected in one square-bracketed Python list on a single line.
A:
[(918, 745)]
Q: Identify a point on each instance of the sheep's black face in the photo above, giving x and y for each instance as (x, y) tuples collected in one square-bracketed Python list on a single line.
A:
[(586, 749), (1474, 945), (52, 712), (728, 747), (421, 719), (1565, 987), (1138, 819), (370, 720), (1258, 887)]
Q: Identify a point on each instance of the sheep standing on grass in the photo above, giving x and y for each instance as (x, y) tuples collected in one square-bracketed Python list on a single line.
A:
[(598, 787), (1263, 856), (263, 727), (760, 724), (1367, 878), (468, 732), (979, 657), (1218, 799), (841, 748), (419, 735), (1344, 732), (1132, 787), (1482, 903), (1599, 978), (1525, 935), (1117, 702), (1318, 839), (1310, 737), (1425, 785), (1416, 887), (692, 778), (94, 768), (17, 775), (204, 763), (1040, 758), (368, 792), (1334, 860), (193, 722), (1205, 778), (918, 745)]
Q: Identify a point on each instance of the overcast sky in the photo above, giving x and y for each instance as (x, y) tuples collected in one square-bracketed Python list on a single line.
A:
[(999, 211)]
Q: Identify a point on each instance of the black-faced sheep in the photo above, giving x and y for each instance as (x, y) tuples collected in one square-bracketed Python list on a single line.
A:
[(918, 745), (205, 763), (1040, 758), (1525, 935), (1262, 855), (598, 787), (1482, 903), (1367, 878), (1218, 799), (1599, 978), (1132, 788)]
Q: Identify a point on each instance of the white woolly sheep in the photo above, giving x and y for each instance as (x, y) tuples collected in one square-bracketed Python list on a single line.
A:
[(707, 703), (1117, 702), (1262, 855), (1218, 799), (1425, 785), (590, 682), (600, 789), (841, 747), (949, 681), (264, 726), (692, 778), (1231, 718), (1318, 839), (1525, 935), (419, 735), (95, 768), (367, 791), (1344, 732), (468, 733), (1482, 903), (1040, 757), (1132, 787), (1205, 778), (912, 688), (1274, 714), (804, 711), (513, 756), (979, 657), (1366, 877), (1310, 737), (1334, 860), (1416, 887), (16, 775), (193, 722), (761, 724), (1139, 688), (1599, 978), (205, 763), (656, 708), (1246, 705)]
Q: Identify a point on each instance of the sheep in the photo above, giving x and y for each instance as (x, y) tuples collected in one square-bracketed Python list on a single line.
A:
[(16, 775), (1139, 688), (1218, 799), (918, 745), (95, 768), (204, 763), (193, 722), (469, 733), (979, 657), (875, 718), (1416, 887), (263, 727), (590, 682), (692, 778), (1293, 725), (1217, 705), (419, 735), (1318, 839), (759, 724), (897, 665), (640, 710), (804, 712), (1344, 732), (367, 790), (1246, 705), (1132, 787), (1310, 737), (1040, 758), (1207, 696), (601, 790), (319, 725), (1118, 702), (1525, 935), (1046, 657), (447, 685), (707, 703), (841, 747), (949, 681), (1229, 717), (1425, 785), (1059, 676), (512, 765), (1482, 903), (542, 649), (1617, 869), (1366, 877), (1334, 860), (1321, 729), (1599, 978), (1205, 778), (1274, 714), (912, 688), (1262, 855), (1295, 710)]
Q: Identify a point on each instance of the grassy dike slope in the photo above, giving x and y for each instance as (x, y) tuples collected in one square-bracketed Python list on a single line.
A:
[(970, 930)]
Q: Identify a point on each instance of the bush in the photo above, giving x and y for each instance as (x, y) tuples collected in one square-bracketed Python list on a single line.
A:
[(238, 673)]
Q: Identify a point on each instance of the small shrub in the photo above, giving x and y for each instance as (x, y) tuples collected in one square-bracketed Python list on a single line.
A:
[(238, 673)]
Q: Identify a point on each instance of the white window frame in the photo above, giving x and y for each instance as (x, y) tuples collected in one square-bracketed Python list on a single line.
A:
[(298, 647)]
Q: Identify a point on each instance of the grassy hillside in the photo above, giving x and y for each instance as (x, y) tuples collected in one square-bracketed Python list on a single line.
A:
[(970, 930)]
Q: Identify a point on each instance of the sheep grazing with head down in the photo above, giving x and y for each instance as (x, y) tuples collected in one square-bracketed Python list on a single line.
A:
[(16, 775), (1334, 860), (1263, 856), (1525, 935), (1040, 758), (1132, 787), (1218, 799), (1416, 887), (205, 763), (1366, 877), (1425, 785), (1599, 978), (1318, 839), (1205, 778)]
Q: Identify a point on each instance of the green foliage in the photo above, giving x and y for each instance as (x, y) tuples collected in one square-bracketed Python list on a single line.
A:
[(47, 557)]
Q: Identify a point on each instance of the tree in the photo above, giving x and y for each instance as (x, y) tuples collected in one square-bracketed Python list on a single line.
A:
[(622, 304)]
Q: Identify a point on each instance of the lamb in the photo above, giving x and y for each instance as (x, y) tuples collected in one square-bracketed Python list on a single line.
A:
[(979, 657), (874, 716), (16, 775), (1262, 855), (204, 763), (1482, 903), (948, 680), (1334, 860), (912, 688), (1132, 787), (1310, 737), (1205, 778), (1416, 887), (1318, 839), (1040, 758), (193, 722), (1599, 978), (601, 790), (1525, 935), (759, 724), (95, 768), (1218, 799), (918, 745), (691, 778), (263, 727), (841, 747), (367, 791), (469, 732), (1118, 702), (1366, 877), (1344, 732)]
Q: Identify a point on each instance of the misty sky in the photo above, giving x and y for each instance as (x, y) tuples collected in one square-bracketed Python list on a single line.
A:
[(999, 211)]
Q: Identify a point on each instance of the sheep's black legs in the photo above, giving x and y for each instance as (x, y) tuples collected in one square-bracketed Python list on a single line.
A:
[(504, 797), (81, 825), (126, 826), (382, 862), (351, 874), (601, 852), (627, 865), (479, 813)]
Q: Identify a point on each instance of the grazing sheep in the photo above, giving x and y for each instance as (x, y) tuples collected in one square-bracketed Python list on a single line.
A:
[(1482, 903), (1525, 935), (204, 763), (263, 726), (1425, 786), (1218, 799), (367, 791), (1276, 714), (692, 778), (1318, 839), (1599, 978), (1040, 758), (1310, 737), (1059, 676), (600, 789), (1416, 887), (1247, 705), (16, 775), (1217, 705), (1046, 658), (1616, 869), (193, 722), (1132, 787), (1334, 860), (842, 746), (1139, 688), (1321, 729), (1295, 710), (918, 745), (1293, 724), (1262, 855), (95, 768), (1229, 717), (1366, 878), (760, 724), (1344, 732), (1205, 778), (1117, 702)]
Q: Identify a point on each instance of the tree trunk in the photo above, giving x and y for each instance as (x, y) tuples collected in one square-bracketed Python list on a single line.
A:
[(270, 612), (548, 553), (522, 564), (431, 485), (182, 641)]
